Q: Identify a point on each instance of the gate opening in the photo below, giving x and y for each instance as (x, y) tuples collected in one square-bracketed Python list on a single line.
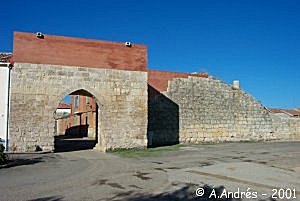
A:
[(76, 122)]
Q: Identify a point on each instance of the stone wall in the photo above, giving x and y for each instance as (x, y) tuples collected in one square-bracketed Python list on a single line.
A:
[(37, 89), (132, 113), (163, 119), (212, 111), (163, 113), (286, 127), (199, 110)]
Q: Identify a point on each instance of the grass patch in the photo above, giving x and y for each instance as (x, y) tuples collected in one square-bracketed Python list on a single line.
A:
[(146, 152)]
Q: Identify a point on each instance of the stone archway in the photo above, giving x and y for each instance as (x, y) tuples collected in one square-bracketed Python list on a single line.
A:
[(100, 103), (121, 96)]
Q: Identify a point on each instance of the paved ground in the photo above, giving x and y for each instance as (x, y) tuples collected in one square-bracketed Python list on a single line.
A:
[(91, 175)]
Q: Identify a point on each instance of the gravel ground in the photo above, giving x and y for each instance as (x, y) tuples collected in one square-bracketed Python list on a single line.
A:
[(260, 168)]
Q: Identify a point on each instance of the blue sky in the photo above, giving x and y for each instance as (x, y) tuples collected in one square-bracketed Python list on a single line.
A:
[(257, 42)]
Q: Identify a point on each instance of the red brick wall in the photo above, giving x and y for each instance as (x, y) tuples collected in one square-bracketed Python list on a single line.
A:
[(84, 108), (159, 79), (78, 52)]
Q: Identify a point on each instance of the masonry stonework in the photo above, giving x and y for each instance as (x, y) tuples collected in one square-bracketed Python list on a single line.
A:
[(212, 111), (137, 107), (37, 89), (285, 127)]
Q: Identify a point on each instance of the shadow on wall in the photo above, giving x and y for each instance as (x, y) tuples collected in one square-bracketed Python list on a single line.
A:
[(163, 119), (77, 131)]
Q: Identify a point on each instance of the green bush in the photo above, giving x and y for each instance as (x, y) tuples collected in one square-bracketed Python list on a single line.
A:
[(3, 157)]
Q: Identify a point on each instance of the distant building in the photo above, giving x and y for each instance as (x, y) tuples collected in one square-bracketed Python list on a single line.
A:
[(77, 118), (290, 113), (64, 109), (5, 63), (83, 115), (63, 113)]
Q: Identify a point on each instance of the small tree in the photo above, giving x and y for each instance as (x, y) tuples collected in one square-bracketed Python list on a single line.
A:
[(3, 157)]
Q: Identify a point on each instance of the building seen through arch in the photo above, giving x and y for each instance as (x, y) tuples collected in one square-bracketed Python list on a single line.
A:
[(76, 122)]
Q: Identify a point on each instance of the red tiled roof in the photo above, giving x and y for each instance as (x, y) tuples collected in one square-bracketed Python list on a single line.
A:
[(274, 110), (5, 57), (293, 113), (64, 106)]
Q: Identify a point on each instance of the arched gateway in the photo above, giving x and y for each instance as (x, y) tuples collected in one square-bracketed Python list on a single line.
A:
[(137, 106), (38, 87), (76, 122)]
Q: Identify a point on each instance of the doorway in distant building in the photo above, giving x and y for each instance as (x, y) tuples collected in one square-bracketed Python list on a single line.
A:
[(76, 122)]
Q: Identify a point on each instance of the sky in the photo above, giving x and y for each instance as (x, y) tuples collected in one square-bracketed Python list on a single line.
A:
[(256, 42)]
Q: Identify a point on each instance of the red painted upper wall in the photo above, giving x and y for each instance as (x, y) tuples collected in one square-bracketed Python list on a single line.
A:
[(159, 79), (69, 51)]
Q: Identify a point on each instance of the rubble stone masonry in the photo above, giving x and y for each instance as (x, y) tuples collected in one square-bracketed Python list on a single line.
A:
[(212, 111), (37, 89), (137, 107), (286, 127)]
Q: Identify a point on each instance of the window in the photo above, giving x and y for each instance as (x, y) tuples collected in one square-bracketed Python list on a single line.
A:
[(76, 102), (86, 100)]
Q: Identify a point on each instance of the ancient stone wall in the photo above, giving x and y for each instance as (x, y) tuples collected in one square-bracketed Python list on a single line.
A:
[(286, 127), (37, 89), (211, 111), (163, 113), (163, 119), (136, 106)]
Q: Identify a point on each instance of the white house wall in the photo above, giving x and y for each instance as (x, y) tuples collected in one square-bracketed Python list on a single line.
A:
[(3, 100)]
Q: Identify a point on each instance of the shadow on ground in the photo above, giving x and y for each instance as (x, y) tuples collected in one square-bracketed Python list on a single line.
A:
[(20, 162), (51, 198), (187, 193), (69, 143)]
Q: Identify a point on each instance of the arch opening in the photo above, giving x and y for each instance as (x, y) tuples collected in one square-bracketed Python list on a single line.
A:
[(76, 122)]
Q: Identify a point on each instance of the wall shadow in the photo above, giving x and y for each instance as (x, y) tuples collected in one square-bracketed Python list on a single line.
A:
[(163, 119), (78, 131)]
